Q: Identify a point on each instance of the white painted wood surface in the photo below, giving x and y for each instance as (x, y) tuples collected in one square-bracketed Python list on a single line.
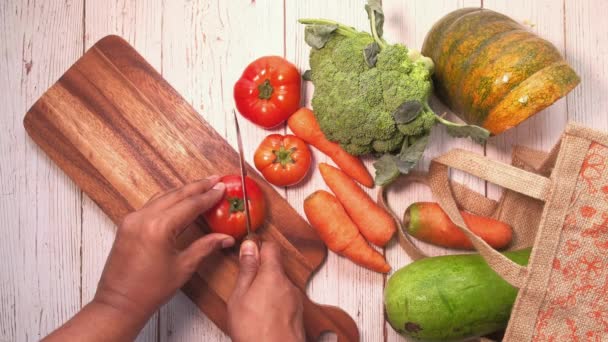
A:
[(54, 238)]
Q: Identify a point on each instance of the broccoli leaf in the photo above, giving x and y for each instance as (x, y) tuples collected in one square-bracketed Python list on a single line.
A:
[(370, 53), (411, 153), (307, 75), (318, 34), (476, 133), (389, 167), (386, 169), (407, 112), (375, 14)]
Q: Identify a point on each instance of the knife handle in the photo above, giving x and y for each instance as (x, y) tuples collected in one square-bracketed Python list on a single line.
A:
[(323, 318)]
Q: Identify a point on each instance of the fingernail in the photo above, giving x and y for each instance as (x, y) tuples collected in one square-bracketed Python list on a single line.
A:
[(219, 187), (249, 247), (213, 178), (227, 243)]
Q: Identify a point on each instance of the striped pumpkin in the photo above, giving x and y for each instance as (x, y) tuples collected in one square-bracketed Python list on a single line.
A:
[(491, 71)]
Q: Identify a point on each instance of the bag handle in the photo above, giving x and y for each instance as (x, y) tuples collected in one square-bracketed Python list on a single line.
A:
[(404, 239), (466, 198), (507, 176)]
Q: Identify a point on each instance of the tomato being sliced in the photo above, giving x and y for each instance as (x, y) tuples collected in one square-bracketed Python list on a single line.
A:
[(228, 215), (268, 92), (283, 160)]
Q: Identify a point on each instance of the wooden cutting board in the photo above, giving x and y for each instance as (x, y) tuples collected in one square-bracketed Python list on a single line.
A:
[(122, 133)]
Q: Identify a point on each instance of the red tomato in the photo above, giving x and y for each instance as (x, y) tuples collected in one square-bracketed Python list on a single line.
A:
[(268, 92), (228, 215), (283, 160)]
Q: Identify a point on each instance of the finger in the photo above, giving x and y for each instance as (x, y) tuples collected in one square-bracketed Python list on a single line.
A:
[(178, 194), (185, 212), (248, 267), (156, 196), (203, 247), (270, 258)]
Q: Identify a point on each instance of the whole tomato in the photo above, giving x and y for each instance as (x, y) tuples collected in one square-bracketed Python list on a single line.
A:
[(283, 160), (268, 92), (228, 215)]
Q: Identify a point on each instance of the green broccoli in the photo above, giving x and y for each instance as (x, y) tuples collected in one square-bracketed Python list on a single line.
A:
[(371, 97)]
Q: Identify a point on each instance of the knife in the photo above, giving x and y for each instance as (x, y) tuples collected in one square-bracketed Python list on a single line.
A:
[(250, 234)]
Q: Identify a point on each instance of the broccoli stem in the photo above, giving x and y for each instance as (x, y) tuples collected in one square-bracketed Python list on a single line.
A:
[(342, 29), (428, 108), (372, 23)]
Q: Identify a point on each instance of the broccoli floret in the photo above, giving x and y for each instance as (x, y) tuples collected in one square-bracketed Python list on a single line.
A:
[(354, 102), (423, 124), (372, 97)]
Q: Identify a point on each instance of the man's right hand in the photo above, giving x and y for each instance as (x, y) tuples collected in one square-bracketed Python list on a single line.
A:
[(265, 305)]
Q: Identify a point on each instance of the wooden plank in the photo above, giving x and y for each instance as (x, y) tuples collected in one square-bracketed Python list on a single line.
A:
[(138, 22), (206, 46), (10, 144), (408, 23), (542, 131), (8, 167), (587, 52), (339, 282), (39, 205), (181, 320), (355, 299), (30, 32)]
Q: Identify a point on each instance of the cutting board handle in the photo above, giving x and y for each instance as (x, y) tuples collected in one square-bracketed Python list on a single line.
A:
[(323, 318)]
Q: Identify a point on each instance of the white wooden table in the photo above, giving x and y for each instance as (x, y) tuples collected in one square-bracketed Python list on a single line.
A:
[(54, 239)]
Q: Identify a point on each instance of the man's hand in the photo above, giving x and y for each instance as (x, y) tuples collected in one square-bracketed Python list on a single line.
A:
[(265, 305), (145, 267)]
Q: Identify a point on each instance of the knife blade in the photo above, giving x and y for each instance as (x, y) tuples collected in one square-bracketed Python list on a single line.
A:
[(243, 166)]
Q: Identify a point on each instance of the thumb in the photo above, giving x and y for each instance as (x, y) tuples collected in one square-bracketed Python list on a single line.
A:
[(249, 262), (203, 247)]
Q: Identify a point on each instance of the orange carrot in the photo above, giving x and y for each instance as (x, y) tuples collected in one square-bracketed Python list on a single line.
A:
[(338, 231), (376, 225), (428, 222), (305, 126)]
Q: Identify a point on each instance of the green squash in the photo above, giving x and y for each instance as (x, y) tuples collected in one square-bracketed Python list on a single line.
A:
[(491, 71), (450, 298)]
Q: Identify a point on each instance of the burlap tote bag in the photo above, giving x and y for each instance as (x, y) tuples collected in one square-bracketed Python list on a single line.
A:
[(558, 204)]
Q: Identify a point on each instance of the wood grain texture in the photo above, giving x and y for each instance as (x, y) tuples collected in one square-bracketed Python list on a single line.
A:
[(340, 282), (39, 205), (587, 50), (123, 134), (139, 23), (408, 23), (184, 33), (196, 44), (205, 49)]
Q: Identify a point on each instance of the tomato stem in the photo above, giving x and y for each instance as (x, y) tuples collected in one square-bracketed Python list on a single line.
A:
[(283, 156), (236, 204), (265, 90)]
